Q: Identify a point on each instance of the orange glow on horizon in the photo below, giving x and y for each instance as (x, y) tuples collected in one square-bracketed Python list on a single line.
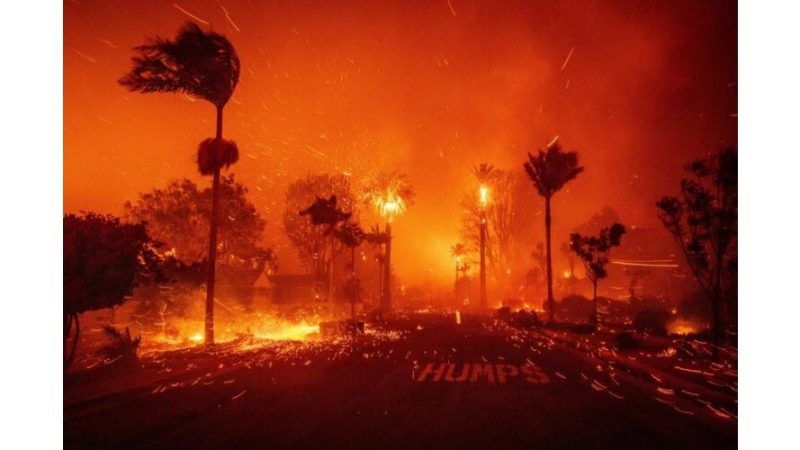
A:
[(358, 88)]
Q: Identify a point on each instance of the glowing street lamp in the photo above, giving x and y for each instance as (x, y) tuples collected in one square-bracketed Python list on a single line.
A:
[(483, 195), (483, 198), (389, 207), (458, 267)]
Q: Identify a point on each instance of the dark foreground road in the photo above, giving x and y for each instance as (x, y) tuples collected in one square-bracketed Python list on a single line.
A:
[(519, 390)]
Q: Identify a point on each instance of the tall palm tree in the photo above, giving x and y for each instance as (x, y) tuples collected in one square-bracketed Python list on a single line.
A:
[(549, 171), (390, 193), (205, 65)]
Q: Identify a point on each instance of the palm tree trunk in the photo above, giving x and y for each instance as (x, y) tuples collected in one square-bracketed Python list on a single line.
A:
[(212, 245), (70, 356), (380, 276), (550, 301), (594, 303), (354, 289), (715, 325), (716, 304), (330, 277), (386, 301), (483, 301)]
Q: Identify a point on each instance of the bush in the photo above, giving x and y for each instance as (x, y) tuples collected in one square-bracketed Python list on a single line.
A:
[(520, 319), (122, 347)]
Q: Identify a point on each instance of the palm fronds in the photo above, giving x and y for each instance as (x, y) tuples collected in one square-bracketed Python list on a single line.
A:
[(199, 63), (551, 169), (215, 154)]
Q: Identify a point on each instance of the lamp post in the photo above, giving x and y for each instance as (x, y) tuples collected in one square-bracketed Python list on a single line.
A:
[(391, 207), (483, 197), (458, 266)]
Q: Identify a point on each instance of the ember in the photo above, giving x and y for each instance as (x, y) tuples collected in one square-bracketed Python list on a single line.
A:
[(274, 211)]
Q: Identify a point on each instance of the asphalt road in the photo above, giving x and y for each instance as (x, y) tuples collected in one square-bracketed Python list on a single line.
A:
[(377, 394)]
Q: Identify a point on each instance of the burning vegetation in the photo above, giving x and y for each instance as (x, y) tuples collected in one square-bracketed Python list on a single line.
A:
[(340, 241)]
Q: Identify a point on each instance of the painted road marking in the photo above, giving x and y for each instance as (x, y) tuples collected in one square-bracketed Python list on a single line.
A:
[(490, 373)]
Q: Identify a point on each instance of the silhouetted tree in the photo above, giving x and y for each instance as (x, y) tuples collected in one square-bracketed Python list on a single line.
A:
[(179, 213), (121, 346), (104, 260), (549, 171), (310, 240), (351, 235), (704, 222), (593, 252), (603, 218), (378, 238), (203, 64), (324, 213)]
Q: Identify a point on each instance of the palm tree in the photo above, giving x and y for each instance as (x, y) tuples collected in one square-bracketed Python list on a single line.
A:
[(325, 212), (549, 171), (485, 173), (390, 193), (205, 65)]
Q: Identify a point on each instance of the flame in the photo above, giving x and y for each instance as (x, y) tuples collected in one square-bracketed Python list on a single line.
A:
[(290, 332), (682, 327), (253, 331)]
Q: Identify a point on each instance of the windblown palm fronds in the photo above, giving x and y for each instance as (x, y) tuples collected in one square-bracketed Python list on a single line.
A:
[(198, 63), (213, 155)]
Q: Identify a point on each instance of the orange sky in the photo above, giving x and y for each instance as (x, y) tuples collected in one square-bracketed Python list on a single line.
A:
[(432, 88)]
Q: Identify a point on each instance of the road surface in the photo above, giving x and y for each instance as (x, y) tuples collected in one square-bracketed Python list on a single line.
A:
[(421, 382)]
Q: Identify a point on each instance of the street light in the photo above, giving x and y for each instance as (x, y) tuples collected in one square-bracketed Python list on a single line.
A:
[(483, 195), (389, 207), (458, 266), (483, 198)]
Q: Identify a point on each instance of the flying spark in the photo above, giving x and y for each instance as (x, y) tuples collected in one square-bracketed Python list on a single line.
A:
[(204, 22), (566, 61)]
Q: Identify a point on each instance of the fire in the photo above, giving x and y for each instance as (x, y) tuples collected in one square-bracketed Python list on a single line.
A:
[(290, 332), (682, 327), (253, 331)]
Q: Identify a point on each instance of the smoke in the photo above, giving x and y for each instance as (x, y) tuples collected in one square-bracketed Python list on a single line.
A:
[(636, 88)]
